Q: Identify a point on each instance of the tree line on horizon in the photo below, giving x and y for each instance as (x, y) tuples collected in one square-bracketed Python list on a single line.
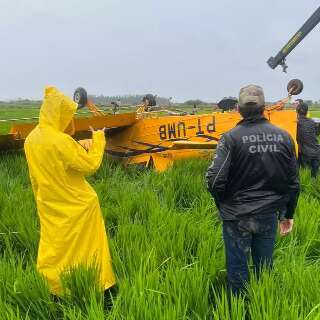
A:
[(133, 99)]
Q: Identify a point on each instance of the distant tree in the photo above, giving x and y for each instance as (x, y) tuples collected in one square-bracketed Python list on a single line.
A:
[(195, 101)]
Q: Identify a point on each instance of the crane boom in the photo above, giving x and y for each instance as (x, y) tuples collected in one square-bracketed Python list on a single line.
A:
[(279, 59)]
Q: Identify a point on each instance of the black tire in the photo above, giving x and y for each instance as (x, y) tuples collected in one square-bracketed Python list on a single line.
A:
[(80, 97), (295, 86), (151, 99)]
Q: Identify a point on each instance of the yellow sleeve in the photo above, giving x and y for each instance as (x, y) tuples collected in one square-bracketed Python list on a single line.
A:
[(34, 183), (87, 162)]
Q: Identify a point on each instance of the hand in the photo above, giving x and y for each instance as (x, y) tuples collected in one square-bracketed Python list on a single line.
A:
[(93, 130), (285, 226)]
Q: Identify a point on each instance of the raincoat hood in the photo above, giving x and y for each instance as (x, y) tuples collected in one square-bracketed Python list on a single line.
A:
[(56, 110)]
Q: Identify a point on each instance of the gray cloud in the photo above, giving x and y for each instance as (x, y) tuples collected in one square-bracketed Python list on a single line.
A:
[(181, 48)]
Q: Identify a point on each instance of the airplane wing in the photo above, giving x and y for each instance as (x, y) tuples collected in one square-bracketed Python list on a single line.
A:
[(78, 129)]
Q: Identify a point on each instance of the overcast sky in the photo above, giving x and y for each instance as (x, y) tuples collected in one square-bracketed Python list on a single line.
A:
[(181, 48)]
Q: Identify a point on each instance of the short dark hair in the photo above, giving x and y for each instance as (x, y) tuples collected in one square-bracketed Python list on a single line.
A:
[(302, 109), (250, 110)]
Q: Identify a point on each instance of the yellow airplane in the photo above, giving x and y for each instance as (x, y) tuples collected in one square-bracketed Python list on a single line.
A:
[(149, 138)]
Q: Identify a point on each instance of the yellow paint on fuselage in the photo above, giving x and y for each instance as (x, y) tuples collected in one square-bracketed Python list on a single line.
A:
[(149, 139)]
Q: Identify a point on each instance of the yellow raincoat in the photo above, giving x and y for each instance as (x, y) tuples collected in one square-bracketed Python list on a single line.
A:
[(72, 227)]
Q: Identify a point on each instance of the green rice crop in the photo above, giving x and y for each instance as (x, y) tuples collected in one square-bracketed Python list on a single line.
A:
[(167, 251)]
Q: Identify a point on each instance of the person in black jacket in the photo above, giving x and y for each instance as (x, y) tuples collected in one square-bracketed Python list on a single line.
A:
[(309, 149), (253, 180)]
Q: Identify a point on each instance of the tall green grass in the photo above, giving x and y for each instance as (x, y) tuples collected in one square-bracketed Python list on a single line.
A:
[(167, 251)]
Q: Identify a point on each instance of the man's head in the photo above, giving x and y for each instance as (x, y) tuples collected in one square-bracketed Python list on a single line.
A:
[(251, 101), (297, 102), (302, 109)]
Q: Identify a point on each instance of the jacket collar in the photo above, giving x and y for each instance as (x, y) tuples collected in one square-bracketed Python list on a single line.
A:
[(250, 120)]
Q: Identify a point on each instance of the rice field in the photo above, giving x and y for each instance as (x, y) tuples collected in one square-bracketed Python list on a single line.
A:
[(167, 251)]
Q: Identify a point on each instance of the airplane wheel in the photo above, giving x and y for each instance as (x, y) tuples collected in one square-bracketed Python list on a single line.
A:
[(80, 97), (295, 86)]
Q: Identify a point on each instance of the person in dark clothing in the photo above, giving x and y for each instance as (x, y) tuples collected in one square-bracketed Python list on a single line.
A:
[(254, 181), (309, 149)]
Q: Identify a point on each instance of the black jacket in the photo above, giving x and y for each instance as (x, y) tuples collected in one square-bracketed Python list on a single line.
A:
[(254, 171), (307, 139)]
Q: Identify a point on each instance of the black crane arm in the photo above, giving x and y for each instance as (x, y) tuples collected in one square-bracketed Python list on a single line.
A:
[(279, 59)]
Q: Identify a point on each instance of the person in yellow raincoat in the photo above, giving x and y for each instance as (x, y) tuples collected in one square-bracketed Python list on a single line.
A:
[(72, 227)]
